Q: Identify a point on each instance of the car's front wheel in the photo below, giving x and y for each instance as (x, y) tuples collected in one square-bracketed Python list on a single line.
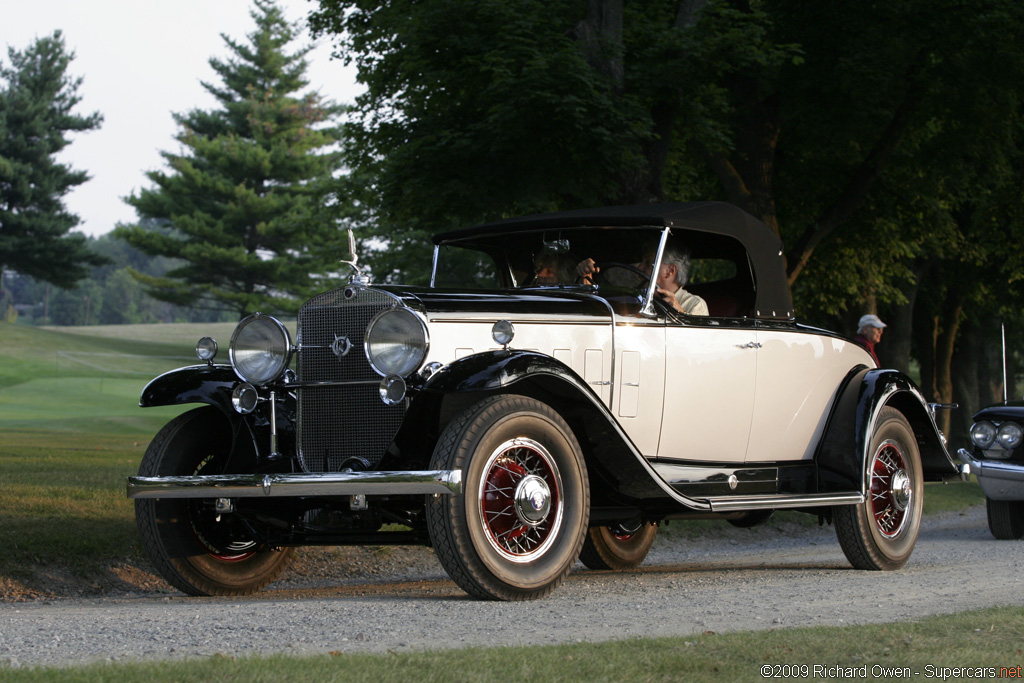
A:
[(517, 528), (1005, 518), (618, 547), (881, 532), (195, 548)]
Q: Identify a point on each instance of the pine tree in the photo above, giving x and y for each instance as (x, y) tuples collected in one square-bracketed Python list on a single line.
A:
[(37, 99), (244, 196)]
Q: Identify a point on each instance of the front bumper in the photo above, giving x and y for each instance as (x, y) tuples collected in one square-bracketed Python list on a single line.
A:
[(444, 482), (999, 480)]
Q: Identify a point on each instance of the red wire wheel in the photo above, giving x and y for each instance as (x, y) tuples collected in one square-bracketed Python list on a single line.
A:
[(891, 491), (520, 500)]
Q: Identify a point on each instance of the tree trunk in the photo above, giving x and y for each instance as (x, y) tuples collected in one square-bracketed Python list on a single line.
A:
[(946, 329), (895, 351), (968, 361)]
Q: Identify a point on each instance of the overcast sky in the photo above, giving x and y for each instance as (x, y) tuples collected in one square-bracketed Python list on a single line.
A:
[(141, 61)]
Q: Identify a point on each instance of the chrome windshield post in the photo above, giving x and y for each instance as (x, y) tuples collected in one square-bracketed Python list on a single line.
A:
[(433, 267), (648, 308)]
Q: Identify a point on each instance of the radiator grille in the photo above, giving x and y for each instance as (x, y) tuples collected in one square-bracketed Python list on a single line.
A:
[(336, 423)]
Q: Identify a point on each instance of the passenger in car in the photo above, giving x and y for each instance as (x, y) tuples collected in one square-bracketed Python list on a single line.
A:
[(671, 278), (552, 268)]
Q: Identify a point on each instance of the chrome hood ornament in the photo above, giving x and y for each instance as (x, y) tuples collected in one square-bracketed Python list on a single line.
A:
[(358, 277)]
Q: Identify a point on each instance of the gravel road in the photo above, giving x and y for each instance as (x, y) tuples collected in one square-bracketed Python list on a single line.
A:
[(741, 579)]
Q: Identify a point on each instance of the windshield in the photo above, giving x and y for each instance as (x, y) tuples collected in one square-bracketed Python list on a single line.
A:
[(548, 258)]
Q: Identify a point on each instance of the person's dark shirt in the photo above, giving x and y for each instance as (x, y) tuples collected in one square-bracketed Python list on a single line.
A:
[(867, 344)]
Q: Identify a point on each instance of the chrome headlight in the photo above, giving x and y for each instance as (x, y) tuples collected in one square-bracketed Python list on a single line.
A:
[(983, 434), (396, 342), (260, 349), (1009, 435)]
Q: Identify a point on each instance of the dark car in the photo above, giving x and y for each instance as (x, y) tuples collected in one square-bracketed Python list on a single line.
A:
[(523, 412), (997, 459)]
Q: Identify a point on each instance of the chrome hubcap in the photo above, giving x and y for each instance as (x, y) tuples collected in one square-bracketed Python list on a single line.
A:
[(901, 490), (533, 500)]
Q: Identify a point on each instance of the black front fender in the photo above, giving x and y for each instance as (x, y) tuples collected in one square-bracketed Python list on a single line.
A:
[(617, 468), (210, 384), (843, 453)]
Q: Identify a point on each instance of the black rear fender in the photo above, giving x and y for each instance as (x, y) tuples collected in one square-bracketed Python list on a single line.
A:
[(842, 454)]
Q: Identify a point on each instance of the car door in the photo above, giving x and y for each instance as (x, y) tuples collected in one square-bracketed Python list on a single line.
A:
[(710, 371), (798, 373)]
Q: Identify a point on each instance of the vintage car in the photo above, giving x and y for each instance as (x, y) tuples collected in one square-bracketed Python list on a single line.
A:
[(517, 421), (998, 461)]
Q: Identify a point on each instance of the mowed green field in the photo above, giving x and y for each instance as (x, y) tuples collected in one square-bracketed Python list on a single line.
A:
[(71, 429)]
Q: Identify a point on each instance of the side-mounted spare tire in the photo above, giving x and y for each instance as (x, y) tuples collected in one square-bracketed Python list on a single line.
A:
[(197, 550), (516, 530)]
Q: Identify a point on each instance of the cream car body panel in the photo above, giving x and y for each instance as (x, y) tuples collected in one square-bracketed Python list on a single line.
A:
[(709, 396), (583, 344), (797, 377)]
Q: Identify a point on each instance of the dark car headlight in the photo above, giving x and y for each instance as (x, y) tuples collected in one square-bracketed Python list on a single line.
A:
[(396, 342), (983, 434), (260, 349), (1009, 435)]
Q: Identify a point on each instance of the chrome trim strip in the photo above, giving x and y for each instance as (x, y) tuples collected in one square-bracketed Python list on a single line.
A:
[(521, 321), (768, 502), (446, 482), (329, 383)]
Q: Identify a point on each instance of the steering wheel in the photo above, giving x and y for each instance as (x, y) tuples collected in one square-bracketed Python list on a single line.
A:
[(644, 277)]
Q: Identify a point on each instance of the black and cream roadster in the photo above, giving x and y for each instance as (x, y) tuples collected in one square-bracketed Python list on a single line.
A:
[(524, 412)]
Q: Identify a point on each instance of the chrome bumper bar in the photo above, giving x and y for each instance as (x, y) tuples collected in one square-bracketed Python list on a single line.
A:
[(444, 482)]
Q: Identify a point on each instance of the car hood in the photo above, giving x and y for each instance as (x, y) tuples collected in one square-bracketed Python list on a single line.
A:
[(1002, 411), (546, 302)]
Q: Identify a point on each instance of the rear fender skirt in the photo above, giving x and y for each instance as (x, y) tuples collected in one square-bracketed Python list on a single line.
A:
[(843, 452), (616, 465)]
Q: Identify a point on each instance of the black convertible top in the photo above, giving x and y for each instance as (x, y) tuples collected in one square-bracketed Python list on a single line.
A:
[(719, 218)]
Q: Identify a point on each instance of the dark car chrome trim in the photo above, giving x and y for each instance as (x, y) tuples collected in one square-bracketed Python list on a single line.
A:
[(282, 485), (999, 480)]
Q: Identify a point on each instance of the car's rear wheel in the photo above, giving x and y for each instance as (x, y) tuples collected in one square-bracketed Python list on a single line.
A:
[(196, 549), (618, 547), (517, 528), (881, 532), (1005, 518)]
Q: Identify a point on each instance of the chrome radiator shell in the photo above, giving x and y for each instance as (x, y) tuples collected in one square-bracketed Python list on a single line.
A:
[(340, 413)]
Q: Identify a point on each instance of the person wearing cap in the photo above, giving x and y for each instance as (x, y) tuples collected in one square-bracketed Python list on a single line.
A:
[(869, 333)]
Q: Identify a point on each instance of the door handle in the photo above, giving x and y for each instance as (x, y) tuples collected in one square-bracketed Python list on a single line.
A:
[(749, 345)]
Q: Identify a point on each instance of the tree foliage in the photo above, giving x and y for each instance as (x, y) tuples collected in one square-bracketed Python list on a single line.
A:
[(881, 141), (37, 113), (246, 192)]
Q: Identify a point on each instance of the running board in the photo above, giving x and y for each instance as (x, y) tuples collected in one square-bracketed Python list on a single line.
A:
[(392, 483), (768, 502)]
